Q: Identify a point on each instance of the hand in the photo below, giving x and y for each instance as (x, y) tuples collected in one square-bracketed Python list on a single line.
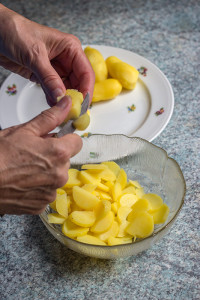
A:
[(32, 165), (45, 55)]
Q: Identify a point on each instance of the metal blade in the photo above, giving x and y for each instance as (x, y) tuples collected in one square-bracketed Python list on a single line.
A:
[(68, 127)]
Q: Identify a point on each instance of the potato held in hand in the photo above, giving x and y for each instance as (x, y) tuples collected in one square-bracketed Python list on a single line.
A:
[(125, 73), (106, 90), (97, 62)]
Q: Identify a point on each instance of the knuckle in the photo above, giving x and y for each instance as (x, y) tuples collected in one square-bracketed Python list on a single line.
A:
[(49, 115), (62, 153), (60, 178)]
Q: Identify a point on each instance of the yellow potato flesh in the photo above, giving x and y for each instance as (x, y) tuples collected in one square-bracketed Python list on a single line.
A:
[(160, 215), (155, 201), (71, 230), (82, 122), (56, 218), (122, 178), (116, 191), (99, 204), (113, 231), (72, 179), (84, 199), (97, 62), (83, 218), (106, 90), (128, 200), (62, 205), (112, 241), (103, 224), (115, 168), (125, 73), (86, 177), (77, 99), (89, 239), (140, 205), (122, 213), (102, 208), (122, 229), (141, 226)]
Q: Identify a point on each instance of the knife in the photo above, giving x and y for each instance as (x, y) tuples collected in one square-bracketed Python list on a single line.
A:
[(68, 127)]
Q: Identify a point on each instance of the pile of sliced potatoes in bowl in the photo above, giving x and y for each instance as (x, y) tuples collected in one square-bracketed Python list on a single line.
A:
[(123, 194)]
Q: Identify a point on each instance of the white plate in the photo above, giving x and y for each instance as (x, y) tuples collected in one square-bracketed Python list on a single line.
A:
[(143, 112)]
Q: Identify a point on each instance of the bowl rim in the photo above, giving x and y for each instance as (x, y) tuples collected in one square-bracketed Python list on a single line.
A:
[(154, 233)]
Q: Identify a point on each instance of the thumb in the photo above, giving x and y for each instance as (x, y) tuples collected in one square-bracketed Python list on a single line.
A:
[(51, 82), (49, 119)]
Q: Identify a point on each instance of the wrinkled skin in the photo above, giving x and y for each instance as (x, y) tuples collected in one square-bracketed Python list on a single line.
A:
[(33, 164), (45, 55)]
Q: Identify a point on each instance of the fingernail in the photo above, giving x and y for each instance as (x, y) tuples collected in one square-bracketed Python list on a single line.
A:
[(64, 102), (57, 93)]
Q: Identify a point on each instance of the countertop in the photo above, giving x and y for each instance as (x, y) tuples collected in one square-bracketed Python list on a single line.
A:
[(33, 265)]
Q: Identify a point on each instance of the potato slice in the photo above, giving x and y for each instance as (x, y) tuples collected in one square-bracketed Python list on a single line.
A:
[(102, 209), (89, 239), (62, 205), (122, 229), (71, 230), (96, 168), (113, 231), (122, 213), (108, 175), (84, 199), (155, 201), (140, 205), (139, 193), (114, 207), (160, 215), (129, 190), (82, 122), (122, 178), (55, 218), (128, 200), (112, 241), (103, 224), (72, 179), (86, 177), (103, 187), (116, 191), (141, 226), (135, 183), (89, 187), (83, 218), (113, 166)]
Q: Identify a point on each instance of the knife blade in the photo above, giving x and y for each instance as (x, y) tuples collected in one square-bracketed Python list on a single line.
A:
[(68, 127)]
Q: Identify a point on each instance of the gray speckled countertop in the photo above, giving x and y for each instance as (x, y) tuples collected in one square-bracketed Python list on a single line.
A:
[(33, 265)]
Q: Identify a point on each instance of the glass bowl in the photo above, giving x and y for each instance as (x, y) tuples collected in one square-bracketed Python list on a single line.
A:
[(142, 161)]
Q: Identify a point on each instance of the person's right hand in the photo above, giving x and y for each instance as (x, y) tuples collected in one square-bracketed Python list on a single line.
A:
[(33, 165)]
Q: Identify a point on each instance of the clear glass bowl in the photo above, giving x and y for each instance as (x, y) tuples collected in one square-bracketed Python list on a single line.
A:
[(142, 161)]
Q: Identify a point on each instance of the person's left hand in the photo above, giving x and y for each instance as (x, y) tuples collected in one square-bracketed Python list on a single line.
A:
[(52, 58)]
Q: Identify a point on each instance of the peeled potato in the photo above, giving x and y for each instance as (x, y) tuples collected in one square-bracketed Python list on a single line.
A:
[(82, 122), (97, 62), (77, 99), (71, 230), (125, 73), (106, 89)]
